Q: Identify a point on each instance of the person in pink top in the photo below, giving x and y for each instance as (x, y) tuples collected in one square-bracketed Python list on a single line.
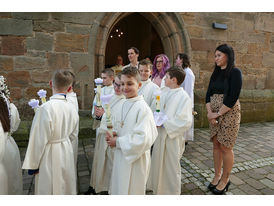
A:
[(160, 66)]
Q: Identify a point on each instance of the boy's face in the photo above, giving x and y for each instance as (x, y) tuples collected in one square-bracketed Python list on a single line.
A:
[(145, 72), (107, 80), (170, 82), (130, 86), (117, 86)]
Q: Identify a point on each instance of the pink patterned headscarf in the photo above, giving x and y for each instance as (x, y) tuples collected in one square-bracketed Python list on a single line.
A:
[(165, 68)]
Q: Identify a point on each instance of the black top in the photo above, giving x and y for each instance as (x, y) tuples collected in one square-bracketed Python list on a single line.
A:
[(230, 87)]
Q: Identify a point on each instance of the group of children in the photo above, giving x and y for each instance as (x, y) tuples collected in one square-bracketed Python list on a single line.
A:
[(122, 163)]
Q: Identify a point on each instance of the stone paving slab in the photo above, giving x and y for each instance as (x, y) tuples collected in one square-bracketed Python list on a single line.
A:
[(252, 174)]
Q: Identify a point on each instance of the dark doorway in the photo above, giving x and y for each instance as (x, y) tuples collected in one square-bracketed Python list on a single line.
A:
[(133, 30)]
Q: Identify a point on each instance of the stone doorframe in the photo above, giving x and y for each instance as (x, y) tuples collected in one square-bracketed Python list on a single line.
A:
[(169, 26)]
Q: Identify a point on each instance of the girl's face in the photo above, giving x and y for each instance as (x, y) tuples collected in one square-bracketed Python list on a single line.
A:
[(117, 86), (179, 62), (221, 59), (159, 64)]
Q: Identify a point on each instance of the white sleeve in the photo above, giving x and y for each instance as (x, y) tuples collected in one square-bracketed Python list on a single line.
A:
[(3, 139), (177, 124), (40, 130), (189, 86), (15, 119)]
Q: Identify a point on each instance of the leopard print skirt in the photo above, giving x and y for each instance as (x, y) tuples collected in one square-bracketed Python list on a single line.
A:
[(228, 124)]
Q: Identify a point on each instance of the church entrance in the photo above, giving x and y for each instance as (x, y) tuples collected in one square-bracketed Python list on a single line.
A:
[(133, 30)]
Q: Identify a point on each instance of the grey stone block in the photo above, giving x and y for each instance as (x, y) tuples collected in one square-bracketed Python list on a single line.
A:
[(28, 63), (31, 15), (78, 29), (15, 27), (41, 42)]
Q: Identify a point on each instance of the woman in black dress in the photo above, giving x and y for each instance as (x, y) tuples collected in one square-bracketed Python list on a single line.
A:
[(224, 114)]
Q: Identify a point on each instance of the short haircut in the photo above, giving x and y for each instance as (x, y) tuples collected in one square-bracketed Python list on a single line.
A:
[(145, 62), (74, 79), (177, 72), (131, 72), (108, 71), (62, 79), (119, 75), (134, 49)]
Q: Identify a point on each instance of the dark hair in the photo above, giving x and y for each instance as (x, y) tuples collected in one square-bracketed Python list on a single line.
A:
[(108, 71), (177, 72), (228, 50), (131, 72), (145, 62), (62, 79), (184, 57), (134, 49), (4, 115)]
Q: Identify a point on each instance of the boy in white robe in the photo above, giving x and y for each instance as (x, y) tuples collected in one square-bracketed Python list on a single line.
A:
[(50, 154), (97, 113), (148, 88), (165, 173), (72, 98), (103, 154), (135, 133)]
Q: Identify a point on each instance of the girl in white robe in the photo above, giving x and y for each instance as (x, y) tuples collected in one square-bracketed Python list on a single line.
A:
[(3, 171), (165, 173), (12, 158), (103, 154)]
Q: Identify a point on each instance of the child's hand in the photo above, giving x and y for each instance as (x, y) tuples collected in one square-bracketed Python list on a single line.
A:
[(111, 140), (99, 111)]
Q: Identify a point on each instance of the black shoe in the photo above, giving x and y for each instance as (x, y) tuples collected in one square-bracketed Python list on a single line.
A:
[(90, 191), (221, 192), (211, 186)]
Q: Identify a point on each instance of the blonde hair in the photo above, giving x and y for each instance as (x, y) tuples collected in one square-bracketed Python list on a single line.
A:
[(62, 79)]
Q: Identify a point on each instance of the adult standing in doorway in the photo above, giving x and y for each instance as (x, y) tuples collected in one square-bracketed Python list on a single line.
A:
[(159, 68), (224, 114), (133, 54), (188, 85)]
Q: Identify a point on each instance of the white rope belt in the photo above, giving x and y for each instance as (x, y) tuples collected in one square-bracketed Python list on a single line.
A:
[(55, 141)]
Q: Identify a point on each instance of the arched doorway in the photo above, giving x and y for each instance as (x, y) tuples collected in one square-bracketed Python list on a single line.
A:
[(168, 25), (132, 30)]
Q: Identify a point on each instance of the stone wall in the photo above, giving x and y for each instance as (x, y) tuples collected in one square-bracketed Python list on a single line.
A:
[(33, 45), (252, 37)]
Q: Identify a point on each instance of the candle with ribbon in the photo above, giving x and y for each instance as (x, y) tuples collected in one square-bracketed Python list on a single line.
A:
[(158, 106), (34, 103), (42, 94), (99, 83), (106, 102)]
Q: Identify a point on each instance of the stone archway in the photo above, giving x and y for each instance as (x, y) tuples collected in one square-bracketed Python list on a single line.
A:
[(169, 26)]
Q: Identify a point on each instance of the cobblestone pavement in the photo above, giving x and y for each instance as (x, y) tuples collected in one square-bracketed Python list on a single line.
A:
[(252, 174)]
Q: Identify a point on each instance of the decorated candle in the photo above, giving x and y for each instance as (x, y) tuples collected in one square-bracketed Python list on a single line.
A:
[(99, 83), (42, 94)]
